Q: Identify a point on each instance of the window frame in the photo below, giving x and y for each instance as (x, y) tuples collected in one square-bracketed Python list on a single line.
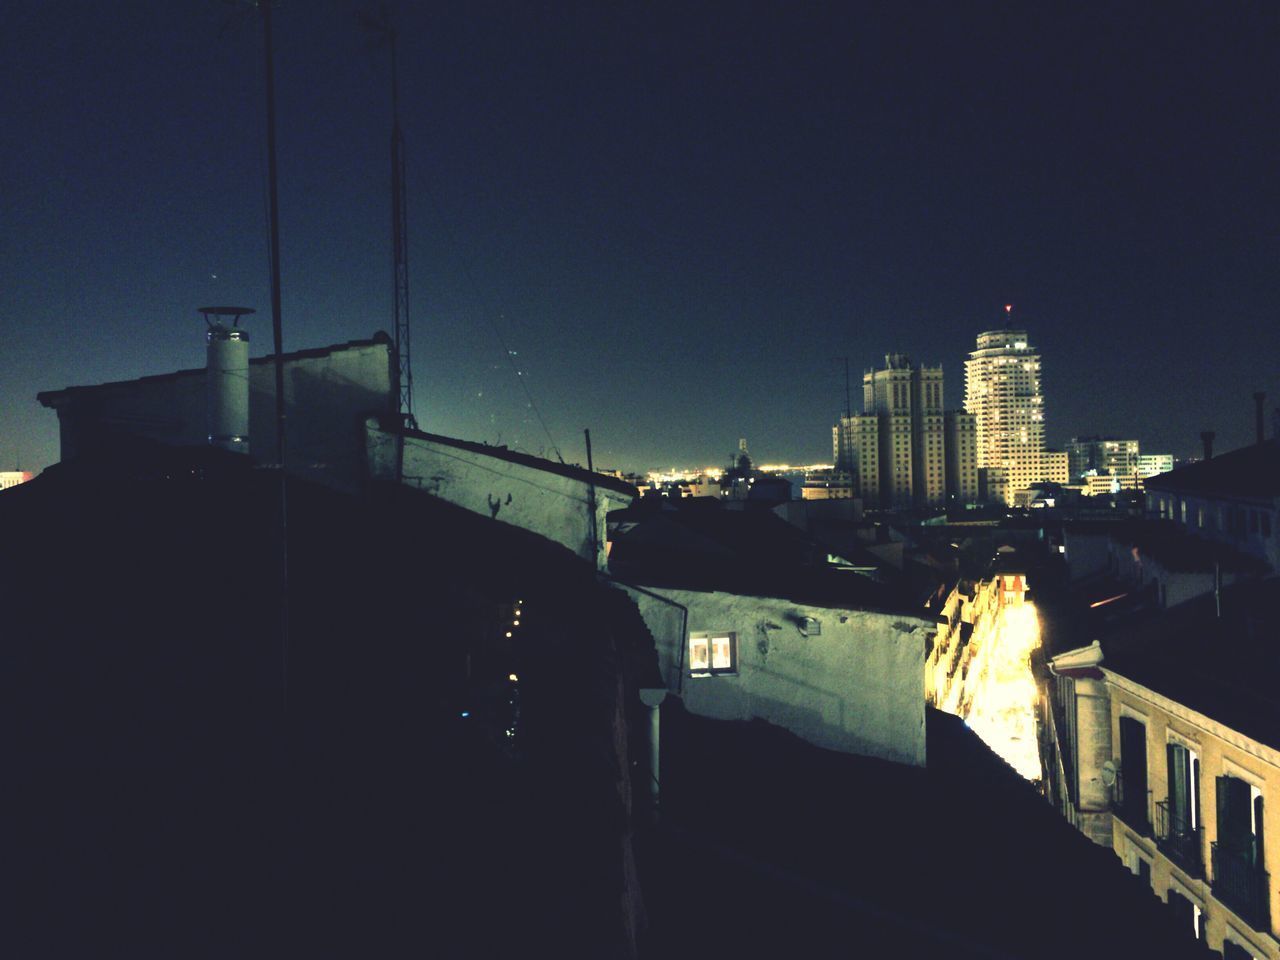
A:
[(709, 636)]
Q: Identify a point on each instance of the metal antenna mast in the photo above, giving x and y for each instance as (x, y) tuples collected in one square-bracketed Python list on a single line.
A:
[(848, 405), (382, 26)]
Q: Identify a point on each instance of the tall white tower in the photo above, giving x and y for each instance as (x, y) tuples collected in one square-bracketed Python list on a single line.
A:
[(1002, 391)]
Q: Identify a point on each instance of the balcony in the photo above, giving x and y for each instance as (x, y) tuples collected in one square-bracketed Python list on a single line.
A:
[(1179, 841), (1132, 806), (1242, 885)]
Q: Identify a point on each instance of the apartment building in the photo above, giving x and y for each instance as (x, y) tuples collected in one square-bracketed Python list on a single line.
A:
[(1169, 735)]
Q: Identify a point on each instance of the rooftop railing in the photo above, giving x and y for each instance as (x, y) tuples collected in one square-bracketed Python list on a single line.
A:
[(1240, 883)]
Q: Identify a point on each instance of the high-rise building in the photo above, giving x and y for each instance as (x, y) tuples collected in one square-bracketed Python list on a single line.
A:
[(11, 478), (855, 447), (1152, 464), (1002, 391), (960, 431), (907, 404), (1107, 455)]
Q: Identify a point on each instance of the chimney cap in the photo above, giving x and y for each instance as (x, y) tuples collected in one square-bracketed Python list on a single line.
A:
[(213, 314)]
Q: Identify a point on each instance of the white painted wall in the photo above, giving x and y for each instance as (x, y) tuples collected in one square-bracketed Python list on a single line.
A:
[(858, 687), (328, 395), (528, 496)]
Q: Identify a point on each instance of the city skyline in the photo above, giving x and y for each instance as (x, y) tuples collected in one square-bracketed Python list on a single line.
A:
[(671, 222)]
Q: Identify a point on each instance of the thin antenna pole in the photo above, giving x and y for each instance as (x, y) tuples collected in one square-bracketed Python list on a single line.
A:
[(402, 375), (591, 502), (278, 342), (400, 246), (848, 404)]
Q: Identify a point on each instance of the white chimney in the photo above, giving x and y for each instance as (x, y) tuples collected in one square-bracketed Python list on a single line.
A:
[(227, 378)]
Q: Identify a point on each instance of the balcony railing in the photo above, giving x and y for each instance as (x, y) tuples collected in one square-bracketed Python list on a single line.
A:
[(1132, 806), (1178, 840), (1242, 885)]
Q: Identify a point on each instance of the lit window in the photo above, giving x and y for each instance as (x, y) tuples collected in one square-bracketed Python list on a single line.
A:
[(711, 654)]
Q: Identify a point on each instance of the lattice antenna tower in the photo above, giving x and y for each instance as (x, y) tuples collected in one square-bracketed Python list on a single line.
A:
[(386, 34)]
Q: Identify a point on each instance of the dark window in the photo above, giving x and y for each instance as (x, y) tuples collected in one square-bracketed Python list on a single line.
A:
[(1184, 787), (1131, 795), (1239, 877), (1178, 817)]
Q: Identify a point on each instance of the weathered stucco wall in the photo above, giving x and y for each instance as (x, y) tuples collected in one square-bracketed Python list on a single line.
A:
[(540, 500), (857, 687)]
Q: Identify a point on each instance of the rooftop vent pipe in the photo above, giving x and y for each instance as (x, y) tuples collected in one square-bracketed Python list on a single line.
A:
[(227, 377), (1258, 398), (1206, 437)]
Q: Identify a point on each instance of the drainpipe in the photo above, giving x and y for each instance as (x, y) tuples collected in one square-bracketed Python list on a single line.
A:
[(652, 698)]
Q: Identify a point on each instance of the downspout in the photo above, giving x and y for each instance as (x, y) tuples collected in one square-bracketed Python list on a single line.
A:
[(652, 698)]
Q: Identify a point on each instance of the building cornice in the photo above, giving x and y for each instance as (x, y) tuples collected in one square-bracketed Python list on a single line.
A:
[(1198, 720)]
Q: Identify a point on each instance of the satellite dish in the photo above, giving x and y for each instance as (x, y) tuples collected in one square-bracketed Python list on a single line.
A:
[(1109, 773)]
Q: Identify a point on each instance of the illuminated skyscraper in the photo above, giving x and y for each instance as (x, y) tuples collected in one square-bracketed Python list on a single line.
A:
[(907, 403), (961, 445), (855, 442), (1002, 391)]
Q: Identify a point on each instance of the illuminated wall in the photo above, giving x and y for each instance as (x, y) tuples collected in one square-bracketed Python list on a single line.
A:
[(853, 682), (979, 667), (960, 441), (856, 451), (1219, 751), (537, 495), (11, 478)]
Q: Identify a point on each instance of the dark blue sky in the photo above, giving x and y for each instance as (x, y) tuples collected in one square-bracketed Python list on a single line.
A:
[(679, 215)]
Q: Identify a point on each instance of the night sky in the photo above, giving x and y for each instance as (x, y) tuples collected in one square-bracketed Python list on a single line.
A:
[(678, 215)]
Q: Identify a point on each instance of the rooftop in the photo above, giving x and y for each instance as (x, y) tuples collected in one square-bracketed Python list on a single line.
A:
[(701, 545), (1221, 666), (172, 806), (51, 398), (1252, 471), (771, 847)]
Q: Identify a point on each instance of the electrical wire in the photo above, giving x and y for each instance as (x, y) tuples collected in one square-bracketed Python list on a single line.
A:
[(451, 237)]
